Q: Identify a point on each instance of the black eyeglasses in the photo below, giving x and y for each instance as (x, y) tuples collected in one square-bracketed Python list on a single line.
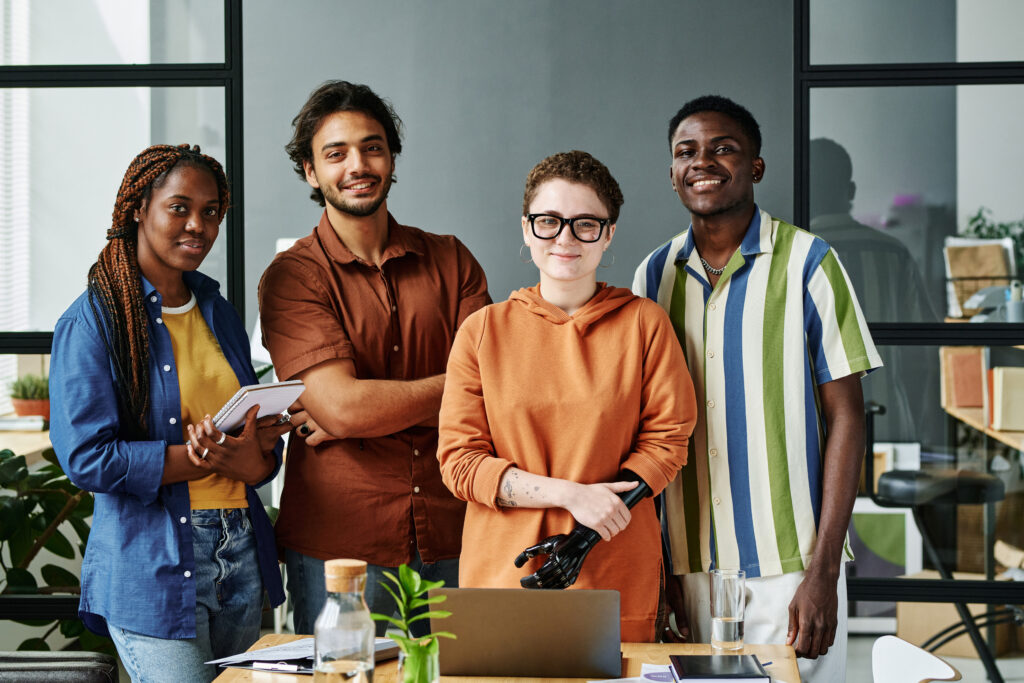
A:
[(584, 228)]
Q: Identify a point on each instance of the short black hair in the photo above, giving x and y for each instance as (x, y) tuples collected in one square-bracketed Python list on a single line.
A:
[(722, 105), (331, 97)]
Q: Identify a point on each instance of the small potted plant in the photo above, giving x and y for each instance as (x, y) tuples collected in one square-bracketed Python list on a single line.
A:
[(30, 395), (418, 658)]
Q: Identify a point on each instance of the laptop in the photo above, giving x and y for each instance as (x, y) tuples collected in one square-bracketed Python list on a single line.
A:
[(535, 633)]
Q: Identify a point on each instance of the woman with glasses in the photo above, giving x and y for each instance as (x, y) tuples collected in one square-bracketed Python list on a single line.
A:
[(181, 548), (563, 408)]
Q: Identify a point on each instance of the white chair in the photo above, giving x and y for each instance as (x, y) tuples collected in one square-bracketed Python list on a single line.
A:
[(894, 660)]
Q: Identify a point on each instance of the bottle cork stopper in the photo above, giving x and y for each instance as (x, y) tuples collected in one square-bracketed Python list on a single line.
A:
[(343, 569)]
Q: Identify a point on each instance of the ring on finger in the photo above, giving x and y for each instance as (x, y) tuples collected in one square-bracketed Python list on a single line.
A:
[(221, 439), (202, 456), (303, 429)]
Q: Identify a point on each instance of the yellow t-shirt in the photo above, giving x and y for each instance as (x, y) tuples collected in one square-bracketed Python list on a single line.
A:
[(205, 381)]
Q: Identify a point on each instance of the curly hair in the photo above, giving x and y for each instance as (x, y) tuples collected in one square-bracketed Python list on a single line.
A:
[(331, 97), (114, 286), (576, 167)]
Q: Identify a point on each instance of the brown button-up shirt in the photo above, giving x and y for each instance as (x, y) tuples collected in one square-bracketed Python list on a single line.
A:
[(375, 499)]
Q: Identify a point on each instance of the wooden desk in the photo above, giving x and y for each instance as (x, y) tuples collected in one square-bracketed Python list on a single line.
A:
[(783, 667), (29, 444)]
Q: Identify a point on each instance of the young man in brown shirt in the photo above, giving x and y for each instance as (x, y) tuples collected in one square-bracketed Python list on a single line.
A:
[(364, 311)]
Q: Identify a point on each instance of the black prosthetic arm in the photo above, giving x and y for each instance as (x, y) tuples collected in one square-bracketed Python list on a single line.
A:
[(566, 552)]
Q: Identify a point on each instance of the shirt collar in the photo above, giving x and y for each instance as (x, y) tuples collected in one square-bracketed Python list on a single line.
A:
[(201, 285), (401, 240), (758, 239)]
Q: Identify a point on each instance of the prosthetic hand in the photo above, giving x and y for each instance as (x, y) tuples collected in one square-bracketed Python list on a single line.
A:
[(566, 552)]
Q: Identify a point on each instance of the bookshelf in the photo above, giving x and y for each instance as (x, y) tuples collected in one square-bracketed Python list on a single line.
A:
[(975, 418)]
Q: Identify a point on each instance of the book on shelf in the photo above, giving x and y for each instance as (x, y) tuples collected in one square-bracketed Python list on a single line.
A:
[(716, 668), (1007, 397), (22, 423), (962, 368)]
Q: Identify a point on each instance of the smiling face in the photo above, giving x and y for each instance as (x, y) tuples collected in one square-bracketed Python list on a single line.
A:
[(565, 259), (178, 223), (713, 165), (352, 164)]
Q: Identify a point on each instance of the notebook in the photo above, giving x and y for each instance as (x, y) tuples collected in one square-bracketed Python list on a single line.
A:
[(273, 399), (719, 667), (536, 633)]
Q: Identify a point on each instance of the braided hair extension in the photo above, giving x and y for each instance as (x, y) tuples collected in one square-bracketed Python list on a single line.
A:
[(114, 285)]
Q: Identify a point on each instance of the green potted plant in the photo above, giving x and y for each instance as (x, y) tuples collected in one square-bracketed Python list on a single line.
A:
[(981, 224), (418, 658), (30, 395)]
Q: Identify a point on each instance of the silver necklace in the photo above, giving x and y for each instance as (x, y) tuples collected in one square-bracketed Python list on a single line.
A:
[(707, 266)]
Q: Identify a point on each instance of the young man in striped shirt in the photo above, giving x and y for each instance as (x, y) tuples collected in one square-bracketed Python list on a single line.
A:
[(776, 344)]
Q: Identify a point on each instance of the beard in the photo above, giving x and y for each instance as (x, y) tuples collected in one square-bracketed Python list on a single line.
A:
[(361, 208)]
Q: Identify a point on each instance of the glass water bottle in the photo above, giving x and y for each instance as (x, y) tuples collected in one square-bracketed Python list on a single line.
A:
[(344, 632)]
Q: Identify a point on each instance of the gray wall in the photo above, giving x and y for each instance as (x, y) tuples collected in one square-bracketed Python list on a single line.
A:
[(487, 88)]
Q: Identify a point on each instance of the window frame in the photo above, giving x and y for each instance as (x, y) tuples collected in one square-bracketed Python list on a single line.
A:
[(226, 74)]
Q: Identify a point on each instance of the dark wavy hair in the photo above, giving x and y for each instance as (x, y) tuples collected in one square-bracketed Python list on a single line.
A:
[(114, 285), (331, 97), (576, 167), (722, 105)]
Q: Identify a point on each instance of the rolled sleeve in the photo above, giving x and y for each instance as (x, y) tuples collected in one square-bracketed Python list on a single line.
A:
[(473, 293), (669, 408), (300, 327), (465, 450), (84, 420)]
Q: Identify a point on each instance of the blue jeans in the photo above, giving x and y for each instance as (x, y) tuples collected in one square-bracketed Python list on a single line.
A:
[(308, 594), (229, 605)]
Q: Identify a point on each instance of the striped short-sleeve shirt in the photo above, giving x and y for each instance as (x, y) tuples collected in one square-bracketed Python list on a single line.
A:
[(782, 319)]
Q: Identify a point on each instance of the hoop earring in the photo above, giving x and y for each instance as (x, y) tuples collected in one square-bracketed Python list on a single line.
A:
[(608, 265), (524, 260)]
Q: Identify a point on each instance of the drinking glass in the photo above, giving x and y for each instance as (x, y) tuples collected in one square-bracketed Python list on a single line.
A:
[(727, 601)]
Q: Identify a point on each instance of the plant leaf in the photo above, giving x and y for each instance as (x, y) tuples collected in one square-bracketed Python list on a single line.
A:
[(396, 622), (71, 628), (431, 585), (59, 545), (84, 507), (34, 644), (81, 528), (50, 456), (94, 643), (410, 581), (12, 516), (20, 543), (58, 576), (444, 634), (397, 583), (403, 609), (13, 469), (20, 581), (33, 622), (420, 602), (436, 614)]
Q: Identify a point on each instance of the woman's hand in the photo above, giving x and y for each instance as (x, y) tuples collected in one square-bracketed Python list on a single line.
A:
[(269, 430), (236, 457), (597, 506), (307, 428)]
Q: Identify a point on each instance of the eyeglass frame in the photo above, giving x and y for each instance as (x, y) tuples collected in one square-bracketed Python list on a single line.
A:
[(571, 222)]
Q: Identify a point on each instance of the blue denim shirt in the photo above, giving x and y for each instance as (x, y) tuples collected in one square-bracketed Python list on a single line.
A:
[(138, 572)]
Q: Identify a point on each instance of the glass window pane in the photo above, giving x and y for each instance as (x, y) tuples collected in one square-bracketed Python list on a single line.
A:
[(897, 175), (935, 422), (915, 31), (111, 32), (55, 212)]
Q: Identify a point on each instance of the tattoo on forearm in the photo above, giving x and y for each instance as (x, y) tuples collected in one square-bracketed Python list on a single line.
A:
[(509, 499)]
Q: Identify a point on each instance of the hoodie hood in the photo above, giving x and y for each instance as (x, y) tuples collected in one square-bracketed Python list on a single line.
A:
[(606, 300)]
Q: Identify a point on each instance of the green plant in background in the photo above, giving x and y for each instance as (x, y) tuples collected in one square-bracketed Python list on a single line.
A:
[(31, 387), (33, 505), (420, 655), (982, 225)]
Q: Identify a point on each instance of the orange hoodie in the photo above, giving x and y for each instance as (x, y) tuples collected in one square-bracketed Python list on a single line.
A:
[(576, 397)]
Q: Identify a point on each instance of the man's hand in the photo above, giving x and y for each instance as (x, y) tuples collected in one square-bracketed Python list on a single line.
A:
[(676, 606), (813, 615), (307, 428)]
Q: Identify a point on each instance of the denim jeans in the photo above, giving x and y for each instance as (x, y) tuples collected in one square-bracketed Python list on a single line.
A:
[(308, 594), (229, 605)]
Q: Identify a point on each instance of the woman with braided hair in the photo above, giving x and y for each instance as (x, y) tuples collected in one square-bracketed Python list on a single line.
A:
[(181, 548)]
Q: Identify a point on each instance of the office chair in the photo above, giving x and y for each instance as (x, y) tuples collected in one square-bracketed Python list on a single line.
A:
[(894, 660), (916, 488)]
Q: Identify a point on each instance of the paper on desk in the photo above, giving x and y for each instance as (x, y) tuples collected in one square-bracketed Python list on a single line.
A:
[(649, 673), (297, 649)]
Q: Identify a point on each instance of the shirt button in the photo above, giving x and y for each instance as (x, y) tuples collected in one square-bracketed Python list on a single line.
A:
[(182, 520), (711, 404), (415, 451), (415, 489), (713, 452), (711, 354), (167, 368), (712, 307), (394, 309), (187, 573), (396, 347), (153, 299), (173, 420), (159, 321), (717, 500)]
